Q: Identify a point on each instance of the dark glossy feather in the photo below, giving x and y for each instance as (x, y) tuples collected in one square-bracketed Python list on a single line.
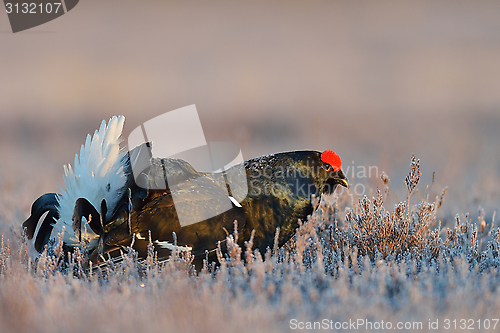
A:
[(280, 187)]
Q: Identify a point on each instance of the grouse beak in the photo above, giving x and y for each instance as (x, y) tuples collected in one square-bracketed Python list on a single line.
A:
[(337, 178), (341, 179), (343, 182)]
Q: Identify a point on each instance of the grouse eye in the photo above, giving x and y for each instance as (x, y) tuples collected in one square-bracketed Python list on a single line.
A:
[(327, 167)]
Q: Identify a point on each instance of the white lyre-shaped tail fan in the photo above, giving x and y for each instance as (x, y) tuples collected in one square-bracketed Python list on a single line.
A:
[(98, 173)]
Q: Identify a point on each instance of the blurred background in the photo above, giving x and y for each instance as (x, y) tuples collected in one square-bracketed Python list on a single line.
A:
[(374, 81)]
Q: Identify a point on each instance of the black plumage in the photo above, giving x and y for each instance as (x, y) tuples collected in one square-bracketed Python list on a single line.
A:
[(280, 188)]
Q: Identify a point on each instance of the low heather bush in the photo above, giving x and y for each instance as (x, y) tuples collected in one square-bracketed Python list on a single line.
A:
[(353, 259)]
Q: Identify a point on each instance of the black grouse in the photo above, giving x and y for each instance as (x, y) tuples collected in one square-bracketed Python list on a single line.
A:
[(104, 206)]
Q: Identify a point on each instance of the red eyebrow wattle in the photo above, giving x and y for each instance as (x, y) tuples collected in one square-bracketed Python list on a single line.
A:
[(330, 157)]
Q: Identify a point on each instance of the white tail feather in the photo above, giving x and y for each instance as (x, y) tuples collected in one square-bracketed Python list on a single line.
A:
[(96, 174), (172, 247)]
